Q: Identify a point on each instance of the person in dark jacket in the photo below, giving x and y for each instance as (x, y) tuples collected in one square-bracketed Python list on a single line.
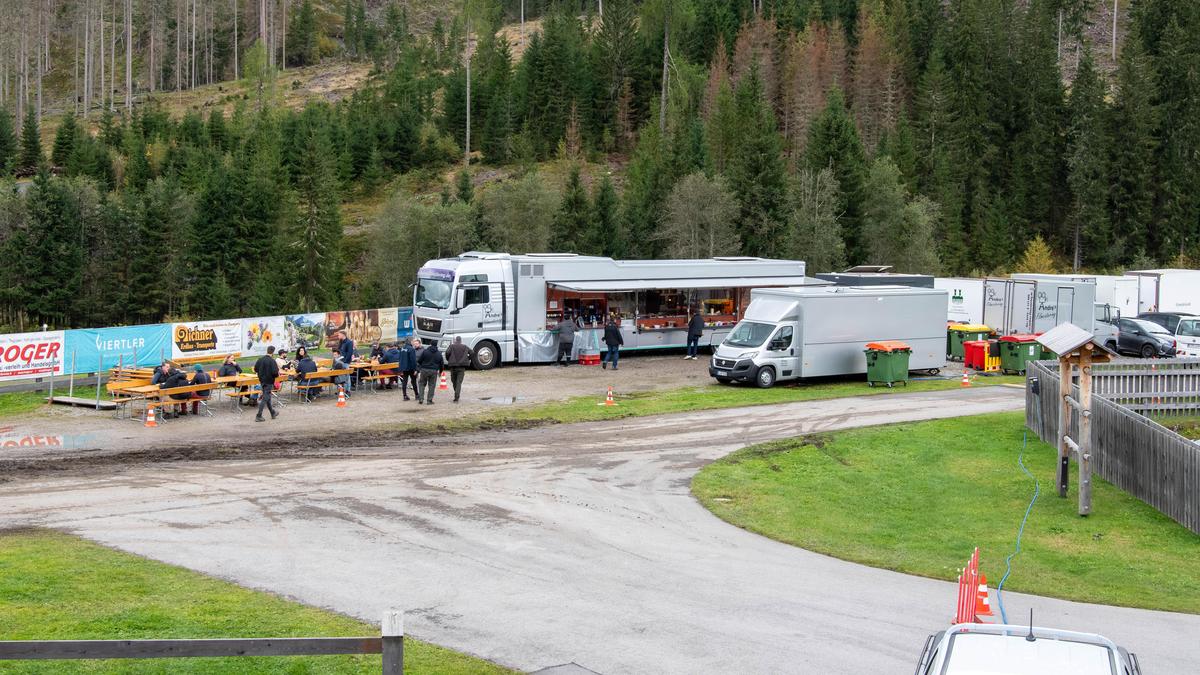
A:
[(408, 369), (161, 373), (177, 378), (566, 339), (613, 339), (305, 367), (229, 368), (458, 358), (391, 355), (695, 331), (200, 377), (346, 349), (376, 351), (429, 364), (268, 371)]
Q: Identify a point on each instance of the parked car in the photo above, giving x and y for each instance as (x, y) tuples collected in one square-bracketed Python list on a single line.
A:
[(1168, 320), (1143, 338), (999, 649)]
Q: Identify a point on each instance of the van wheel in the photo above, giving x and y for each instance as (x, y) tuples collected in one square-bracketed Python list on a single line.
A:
[(765, 378), (487, 355)]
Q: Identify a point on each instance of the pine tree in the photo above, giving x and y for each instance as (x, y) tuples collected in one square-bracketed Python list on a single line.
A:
[(604, 236), (1133, 126), (64, 141), (374, 173), (814, 230), (722, 128), (464, 189), (1179, 92), (8, 143), (55, 248), (218, 134), (647, 182), (162, 222), (756, 172), (316, 234), (303, 34), (31, 144), (137, 166), (571, 221), (833, 143), (875, 90), (1088, 150), (883, 205)]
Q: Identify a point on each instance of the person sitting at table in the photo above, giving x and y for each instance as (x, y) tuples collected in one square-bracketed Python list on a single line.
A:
[(305, 367), (177, 378), (342, 381), (229, 368), (161, 373), (200, 377), (391, 355), (376, 352)]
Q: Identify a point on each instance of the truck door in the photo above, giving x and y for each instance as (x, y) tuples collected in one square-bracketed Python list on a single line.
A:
[(1064, 311), (995, 299), (474, 310), (781, 353), (1147, 293), (1022, 308)]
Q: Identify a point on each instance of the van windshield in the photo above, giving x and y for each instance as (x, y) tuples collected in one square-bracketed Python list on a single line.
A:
[(749, 334), (1189, 328)]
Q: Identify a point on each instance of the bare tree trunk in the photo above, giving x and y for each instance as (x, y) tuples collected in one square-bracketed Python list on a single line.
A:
[(467, 144), (283, 40), (192, 58), (236, 45), (43, 36), (112, 57), (1116, 9), (128, 55), (152, 72), (662, 110), (75, 28), (102, 96), (262, 21), (87, 59), (179, 45)]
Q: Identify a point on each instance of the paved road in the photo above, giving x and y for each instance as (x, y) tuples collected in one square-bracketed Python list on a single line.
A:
[(572, 544)]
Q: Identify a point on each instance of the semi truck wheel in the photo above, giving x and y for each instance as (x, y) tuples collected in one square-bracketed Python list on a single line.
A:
[(765, 378), (487, 355)]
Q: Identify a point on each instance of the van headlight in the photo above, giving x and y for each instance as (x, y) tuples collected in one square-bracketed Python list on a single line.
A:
[(748, 355)]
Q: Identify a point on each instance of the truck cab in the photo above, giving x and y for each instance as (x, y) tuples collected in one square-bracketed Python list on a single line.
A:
[(999, 649), (757, 351), (1107, 317), (467, 298)]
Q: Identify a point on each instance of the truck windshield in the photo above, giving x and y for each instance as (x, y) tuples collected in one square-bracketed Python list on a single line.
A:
[(749, 334), (433, 293)]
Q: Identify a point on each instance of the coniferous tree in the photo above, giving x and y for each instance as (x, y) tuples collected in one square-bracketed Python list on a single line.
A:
[(1179, 92), (162, 222), (218, 134), (604, 235), (1087, 159), (464, 189), (571, 221), (1133, 126), (316, 232), (1037, 258), (31, 144), (303, 34), (55, 248), (518, 215), (756, 172), (833, 143), (64, 141), (647, 182), (8, 143)]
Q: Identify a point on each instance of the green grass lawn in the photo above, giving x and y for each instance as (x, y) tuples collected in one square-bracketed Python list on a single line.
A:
[(917, 498), (1188, 427), (25, 402), (686, 399), (55, 586)]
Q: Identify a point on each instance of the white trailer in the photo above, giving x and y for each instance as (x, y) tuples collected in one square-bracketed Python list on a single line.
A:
[(1118, 292), (964, 298), (792, 333), (505, 306), (1168, 290)]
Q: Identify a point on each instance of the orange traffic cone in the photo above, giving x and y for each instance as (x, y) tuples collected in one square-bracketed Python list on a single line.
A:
[(341, 396), (443, 385), (608, 399), (150, 417), (966, 381), (983, 607)]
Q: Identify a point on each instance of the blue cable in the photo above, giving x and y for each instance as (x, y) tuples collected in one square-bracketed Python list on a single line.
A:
[(1037, 488)]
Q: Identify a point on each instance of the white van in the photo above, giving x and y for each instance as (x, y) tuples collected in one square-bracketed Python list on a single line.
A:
[(998, 649), (791, 333)]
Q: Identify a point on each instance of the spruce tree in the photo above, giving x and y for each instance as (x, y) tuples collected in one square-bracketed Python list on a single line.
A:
[(316, 232), (464, 189), (571, 221), (1133, 125), (55, 249), (1087, 159), (1179, 106), (756, 171), (8, 143), (304, 35), (218, 134), (31, 144), (833, 143), (884, 199), (604, 229), (647, 182), (64, 141)]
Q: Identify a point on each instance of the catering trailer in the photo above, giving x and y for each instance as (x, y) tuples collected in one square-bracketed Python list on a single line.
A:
[(1120, 293), (506, 306), (792, 333), (1168, 290)]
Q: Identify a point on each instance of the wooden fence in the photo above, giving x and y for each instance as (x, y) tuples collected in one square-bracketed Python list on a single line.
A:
[(1130, 450), (1158, 387), (390, 644)]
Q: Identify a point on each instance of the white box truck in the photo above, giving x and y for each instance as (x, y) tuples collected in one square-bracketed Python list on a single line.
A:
[(505, 306), (1168, 290), (792, 333), (964, 299), (1118, 292)]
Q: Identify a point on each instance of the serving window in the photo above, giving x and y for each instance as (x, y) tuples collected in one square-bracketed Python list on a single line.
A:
[(651, 309)]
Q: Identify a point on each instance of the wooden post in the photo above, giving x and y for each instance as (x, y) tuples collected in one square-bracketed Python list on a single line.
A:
[(1085, 430), (393, 642), (1064, 424)]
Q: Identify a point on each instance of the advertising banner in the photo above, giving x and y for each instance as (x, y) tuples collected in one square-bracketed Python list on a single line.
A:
[(388, 325), (24, 355), (263, 332), (364, 326), (303, 330), (404, 322), (206, 338), (123, 345)]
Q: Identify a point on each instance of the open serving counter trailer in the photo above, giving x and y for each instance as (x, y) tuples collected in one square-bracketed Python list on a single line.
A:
[(505, 306)]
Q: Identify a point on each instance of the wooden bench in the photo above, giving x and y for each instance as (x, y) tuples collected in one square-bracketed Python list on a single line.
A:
[(118, 393), (378, 374), (211, 358), (165, 397), (303, 387)]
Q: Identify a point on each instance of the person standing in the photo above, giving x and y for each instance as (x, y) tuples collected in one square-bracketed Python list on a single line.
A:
[(429, 364), (267, 370), (613, 339), (566, 339), (695, 331), (346, 348), (407, 366), (458, 358)]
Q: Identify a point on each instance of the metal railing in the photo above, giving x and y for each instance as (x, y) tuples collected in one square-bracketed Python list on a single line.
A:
[(1130, 450), (390, 644)]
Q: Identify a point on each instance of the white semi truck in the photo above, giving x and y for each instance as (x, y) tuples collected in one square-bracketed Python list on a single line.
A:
[(792, 333), (505, 306)]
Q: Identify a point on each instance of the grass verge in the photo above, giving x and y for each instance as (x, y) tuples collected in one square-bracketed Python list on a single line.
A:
[(917, 497), (56, 586), (25, 402), (685, 399)]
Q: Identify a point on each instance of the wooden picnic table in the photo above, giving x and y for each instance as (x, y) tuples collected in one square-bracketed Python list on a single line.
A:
[(212, 358)]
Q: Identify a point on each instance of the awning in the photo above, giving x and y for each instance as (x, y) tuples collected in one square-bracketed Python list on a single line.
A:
[(626, 285)]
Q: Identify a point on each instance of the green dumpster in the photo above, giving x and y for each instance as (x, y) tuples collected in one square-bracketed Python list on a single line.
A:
[(887, 362), (959, 333), (1018, 350)]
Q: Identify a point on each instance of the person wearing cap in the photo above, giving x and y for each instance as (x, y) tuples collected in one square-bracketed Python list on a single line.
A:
[(200, 377)]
